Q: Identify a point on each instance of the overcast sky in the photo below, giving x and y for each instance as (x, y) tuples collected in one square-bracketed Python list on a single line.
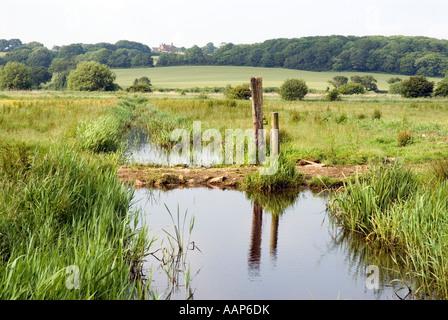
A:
[(189, 22)]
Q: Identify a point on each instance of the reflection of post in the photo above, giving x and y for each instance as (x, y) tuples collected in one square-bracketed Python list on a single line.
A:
[(255, 240), (274, 235)]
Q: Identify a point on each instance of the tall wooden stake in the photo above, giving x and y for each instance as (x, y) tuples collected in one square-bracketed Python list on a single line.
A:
[(256, 88), (275, 144)]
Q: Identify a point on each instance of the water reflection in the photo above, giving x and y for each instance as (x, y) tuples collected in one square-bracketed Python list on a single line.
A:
[(307, 257), (274, 203), (255, 240), (140, 150)]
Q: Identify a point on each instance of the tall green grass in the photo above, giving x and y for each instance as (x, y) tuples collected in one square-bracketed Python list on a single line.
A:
[(105, 134), (393, 208), (286, 177), (61, 210)]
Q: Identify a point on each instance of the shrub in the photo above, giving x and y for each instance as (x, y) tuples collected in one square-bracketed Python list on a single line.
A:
[(417, 86), (333, 95), (376, 114), (15, 76), (441, 89), (241, 92), (404, 138), (352, 88), (395, 88), (91, 76), (140, 87), (293, 89)]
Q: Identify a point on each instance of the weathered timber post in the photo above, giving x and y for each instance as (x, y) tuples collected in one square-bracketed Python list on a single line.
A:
[(256, 89), (275, 143)]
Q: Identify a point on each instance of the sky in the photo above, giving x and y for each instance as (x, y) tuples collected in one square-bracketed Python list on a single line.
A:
[(196, 22)]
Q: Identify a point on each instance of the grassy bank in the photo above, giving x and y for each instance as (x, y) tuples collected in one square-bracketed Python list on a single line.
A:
[(354, 131), (405, 213), (66, 231)]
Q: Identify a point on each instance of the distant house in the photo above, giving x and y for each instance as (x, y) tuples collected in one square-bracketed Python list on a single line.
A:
[(167, 48)]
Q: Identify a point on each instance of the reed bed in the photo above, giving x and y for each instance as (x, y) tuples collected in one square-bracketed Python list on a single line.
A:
[(66, 230), (60, 210), (393, 208)]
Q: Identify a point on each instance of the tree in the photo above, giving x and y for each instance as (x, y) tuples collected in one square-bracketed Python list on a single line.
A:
[(126, 44), (91, 76), (194, 55), (352, 88), (442, 88), (338, 81), (142, 60), (395, 87), (15, 76), (417, 86), (61, 69), (40, 57), (333, 95), (241, 92), (143, 84), (293, 89), (209, 48), (393, 80), (70, 51), (367, 81), (40, 75)]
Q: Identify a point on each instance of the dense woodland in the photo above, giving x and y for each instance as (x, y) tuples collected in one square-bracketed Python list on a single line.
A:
[(397, 54)]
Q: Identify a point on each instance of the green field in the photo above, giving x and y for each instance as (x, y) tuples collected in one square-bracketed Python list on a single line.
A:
[(219, 76)]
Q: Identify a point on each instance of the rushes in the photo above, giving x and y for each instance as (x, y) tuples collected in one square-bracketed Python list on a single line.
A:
[(286, 177), (393, 209), (173, 259), (106, 132), (69, 210)]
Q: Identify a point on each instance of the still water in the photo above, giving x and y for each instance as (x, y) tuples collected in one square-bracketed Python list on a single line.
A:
[(269, 247), (141, 150)]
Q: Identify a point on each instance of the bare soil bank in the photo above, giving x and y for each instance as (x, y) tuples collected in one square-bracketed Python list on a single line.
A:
[(221, 178)]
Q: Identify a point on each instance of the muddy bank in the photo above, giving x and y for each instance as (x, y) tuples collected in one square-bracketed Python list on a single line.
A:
[(222, 178), (162, 177)]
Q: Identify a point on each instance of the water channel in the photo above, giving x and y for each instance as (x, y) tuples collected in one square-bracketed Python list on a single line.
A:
[(249, 246)]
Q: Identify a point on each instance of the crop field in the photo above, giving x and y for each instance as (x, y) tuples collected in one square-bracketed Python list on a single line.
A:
[(219, 76)]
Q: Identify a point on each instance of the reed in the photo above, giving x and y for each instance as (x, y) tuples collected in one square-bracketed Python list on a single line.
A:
[(67, 210), (105, 133), (173, 255), (286, 177), (393, 209)]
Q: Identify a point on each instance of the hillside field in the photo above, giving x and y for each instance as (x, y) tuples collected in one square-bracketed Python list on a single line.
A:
[(219, 76)]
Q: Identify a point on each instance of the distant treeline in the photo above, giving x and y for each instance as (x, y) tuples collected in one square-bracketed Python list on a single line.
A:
[(122, 54), (396, 54), (57, 63)]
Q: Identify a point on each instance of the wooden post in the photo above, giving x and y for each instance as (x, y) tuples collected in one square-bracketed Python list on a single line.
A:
[(275, 143), (256, 88)]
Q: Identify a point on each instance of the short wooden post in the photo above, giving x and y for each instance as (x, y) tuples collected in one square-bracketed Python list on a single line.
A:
[(275, 144), (256, 88)]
